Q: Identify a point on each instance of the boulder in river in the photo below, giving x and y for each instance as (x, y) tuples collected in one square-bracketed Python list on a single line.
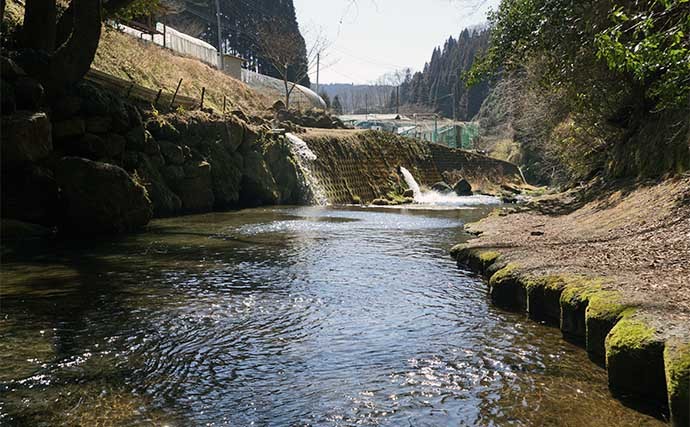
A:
[(100, 197), (408, 193), (442, 188), (462, 188)]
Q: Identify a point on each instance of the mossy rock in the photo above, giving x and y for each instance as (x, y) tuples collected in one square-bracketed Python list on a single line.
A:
[(544, 298), (604, 310), (635, 362), (574, 300), (677, 367), (507, 289), (478, 260)]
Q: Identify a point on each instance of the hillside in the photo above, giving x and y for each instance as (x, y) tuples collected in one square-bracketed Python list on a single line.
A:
[(154, 67)]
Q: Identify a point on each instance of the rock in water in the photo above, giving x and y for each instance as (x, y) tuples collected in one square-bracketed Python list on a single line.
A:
[(409, 193), (100, 197), (462, 188), (442, 188)]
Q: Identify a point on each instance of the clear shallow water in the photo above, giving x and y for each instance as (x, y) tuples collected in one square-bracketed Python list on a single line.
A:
[(286, 317)]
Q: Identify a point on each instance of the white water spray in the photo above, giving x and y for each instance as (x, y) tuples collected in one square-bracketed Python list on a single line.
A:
[(305, 158), (434, 198)]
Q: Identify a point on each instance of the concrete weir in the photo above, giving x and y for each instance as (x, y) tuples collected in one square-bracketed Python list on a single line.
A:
[(356, 166), (645, 369)]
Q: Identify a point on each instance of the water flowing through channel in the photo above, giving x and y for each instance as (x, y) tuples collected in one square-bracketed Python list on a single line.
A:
[(305, 157), (429, 197), (291, 316)]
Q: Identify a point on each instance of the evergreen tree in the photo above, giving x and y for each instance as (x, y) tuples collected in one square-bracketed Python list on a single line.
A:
[(326, 99), (440, 86), (337, 106)]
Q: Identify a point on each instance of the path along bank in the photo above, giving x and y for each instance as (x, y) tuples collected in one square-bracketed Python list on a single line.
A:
[(609, 264)]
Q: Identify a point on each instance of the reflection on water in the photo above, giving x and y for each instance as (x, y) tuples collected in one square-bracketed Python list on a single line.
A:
[(290, 316)]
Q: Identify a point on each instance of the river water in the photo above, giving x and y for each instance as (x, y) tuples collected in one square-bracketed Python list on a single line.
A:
[(280, 317)]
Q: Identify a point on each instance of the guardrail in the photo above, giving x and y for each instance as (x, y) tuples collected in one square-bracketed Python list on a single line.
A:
[(133, 90)]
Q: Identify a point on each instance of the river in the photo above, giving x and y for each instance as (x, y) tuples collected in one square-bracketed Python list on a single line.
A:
[(283, 317)]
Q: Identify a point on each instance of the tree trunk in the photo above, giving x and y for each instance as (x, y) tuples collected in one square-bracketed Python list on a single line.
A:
[(73, 59), (39, 25), (287, 93)]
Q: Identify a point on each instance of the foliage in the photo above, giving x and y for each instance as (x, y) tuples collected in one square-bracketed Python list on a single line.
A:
[(440, 85), (651, 41), (600, 72), (137, 9), (337, 106)]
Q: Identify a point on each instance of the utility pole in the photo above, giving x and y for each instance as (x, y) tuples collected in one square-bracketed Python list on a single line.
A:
[(220, 36), (318, 71)]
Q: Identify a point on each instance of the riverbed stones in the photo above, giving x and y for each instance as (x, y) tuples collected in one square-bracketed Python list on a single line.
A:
[(26, 137), (100, 197), (442, 188)]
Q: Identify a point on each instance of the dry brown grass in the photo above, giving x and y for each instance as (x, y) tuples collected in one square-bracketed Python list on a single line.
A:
[(157, 68)]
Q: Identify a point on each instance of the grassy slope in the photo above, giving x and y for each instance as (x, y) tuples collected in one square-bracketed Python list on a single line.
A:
[(154, 67)]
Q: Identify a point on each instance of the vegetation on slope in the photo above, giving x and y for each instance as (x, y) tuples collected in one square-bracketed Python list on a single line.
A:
[(603, 86), (157, 68)]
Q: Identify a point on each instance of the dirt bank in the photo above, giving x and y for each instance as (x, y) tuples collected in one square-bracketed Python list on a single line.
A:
[(622, 252)]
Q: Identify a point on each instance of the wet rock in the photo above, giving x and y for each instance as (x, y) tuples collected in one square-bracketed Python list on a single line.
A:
[(28, 93), (172, 153), (26, 137), (258, 185), (165, 201), (284, 171), (30, 194), (172, 174), (195, 190), (226, 174), (442, 188), (98, 124), (101, 198), (381, 202), (71, 128), (408, 193), (462, 188)]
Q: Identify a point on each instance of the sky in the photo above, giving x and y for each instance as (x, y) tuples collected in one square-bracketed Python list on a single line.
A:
[(369, 38)]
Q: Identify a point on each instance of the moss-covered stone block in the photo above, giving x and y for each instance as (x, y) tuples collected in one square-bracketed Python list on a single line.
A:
[(677, 367), (543, 298), (603, 312), (475, 259), (507, 289), (635, 363)]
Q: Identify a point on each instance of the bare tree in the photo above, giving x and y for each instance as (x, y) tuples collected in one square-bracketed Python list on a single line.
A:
[(286, 52)]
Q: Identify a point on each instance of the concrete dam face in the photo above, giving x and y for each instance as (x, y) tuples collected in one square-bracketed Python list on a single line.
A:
[(355, 166)]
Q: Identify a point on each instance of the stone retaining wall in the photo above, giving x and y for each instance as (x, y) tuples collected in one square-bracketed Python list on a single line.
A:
[(645, 369), (355, 166)]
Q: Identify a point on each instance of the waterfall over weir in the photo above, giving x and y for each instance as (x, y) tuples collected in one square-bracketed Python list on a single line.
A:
[(434, 198), (305, 157)]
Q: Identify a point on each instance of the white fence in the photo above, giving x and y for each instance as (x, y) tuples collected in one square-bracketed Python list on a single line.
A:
[(192, 47)]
